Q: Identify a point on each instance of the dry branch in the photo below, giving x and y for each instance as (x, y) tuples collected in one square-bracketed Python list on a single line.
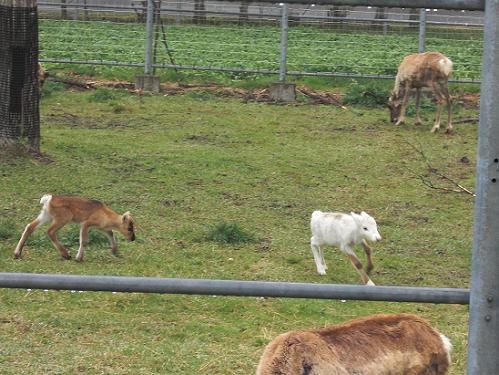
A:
[(434, 171)]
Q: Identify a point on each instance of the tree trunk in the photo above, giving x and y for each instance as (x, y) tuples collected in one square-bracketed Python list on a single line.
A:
[(64, 10), (19, 86), (414, 16), (380, 15), (243, 12), (199, 12), (339, 14)]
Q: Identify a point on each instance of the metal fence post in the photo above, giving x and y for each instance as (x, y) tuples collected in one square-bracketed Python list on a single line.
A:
[(422, 30), (148, 81), (282, 91), (149, 37), (483, 336), (284, 43)]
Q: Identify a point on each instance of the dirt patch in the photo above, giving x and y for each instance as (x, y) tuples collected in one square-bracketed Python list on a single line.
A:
[(306, 95), (469, 100)]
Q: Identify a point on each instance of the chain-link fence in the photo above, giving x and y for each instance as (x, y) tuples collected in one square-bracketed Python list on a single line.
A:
[(245, 37)]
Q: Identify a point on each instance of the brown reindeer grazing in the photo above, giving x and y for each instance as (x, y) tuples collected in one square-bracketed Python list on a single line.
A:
[(42, 76), (429, 69), (386, 344), (61, 210)]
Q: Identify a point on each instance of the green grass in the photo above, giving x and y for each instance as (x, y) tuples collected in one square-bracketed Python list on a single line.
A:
[(182, 164)]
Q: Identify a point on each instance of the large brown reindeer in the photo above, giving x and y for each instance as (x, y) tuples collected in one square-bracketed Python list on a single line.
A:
[(386, 344), (61, 210), (429, 69)]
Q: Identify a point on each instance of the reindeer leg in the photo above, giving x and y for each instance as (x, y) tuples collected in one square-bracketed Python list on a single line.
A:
[(83, 241), (368, 252), (316, 251), (445, 91), (43, 218), (30, 228), (438, 114), (114, 247), (418, 99), (358, 266), (407, 91), (439, 96), (52, 233)]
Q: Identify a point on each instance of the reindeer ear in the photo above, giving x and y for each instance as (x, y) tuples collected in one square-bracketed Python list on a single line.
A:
[(126, 216), (355, 216)]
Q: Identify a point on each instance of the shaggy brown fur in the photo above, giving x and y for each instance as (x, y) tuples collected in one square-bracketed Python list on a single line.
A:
[(429, 69), (61, 210), (391, 344), (42, 76)]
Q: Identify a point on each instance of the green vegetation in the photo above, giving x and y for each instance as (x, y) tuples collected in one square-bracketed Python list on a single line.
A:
[(311, 49), (181, 164), (228, 233)]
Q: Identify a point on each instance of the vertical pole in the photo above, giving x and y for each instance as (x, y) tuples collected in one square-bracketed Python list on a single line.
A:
[(483, 346), (422, 30), (149, 36), (284, 42), (177, 15)]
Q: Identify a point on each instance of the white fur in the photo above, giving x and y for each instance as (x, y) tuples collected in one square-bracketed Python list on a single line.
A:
[(447, 345), (341, 230), (42, 218)]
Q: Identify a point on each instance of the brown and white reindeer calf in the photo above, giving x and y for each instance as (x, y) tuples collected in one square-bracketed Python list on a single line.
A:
[(419, 70), (386, 344), (63, 209), (42, 76)]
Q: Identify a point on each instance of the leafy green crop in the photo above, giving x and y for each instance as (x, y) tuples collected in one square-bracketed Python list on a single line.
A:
[(310, 49)]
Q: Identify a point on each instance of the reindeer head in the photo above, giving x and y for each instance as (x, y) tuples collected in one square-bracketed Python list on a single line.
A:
[(127, 227), (367, 226), (395, 106)]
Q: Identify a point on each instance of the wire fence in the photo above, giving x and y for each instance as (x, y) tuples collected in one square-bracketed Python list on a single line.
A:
[(245, 38)]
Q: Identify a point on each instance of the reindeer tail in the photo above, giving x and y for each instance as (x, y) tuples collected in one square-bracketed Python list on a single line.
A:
[(45, 200)]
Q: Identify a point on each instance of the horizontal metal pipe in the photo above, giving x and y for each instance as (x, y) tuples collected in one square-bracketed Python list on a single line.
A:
[(436, 4), (237, 70), (129, 284)]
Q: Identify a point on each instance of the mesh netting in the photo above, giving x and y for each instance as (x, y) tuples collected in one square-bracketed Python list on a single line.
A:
[(19, 96)]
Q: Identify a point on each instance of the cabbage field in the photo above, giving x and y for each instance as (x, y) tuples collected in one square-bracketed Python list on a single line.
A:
[(256, 47)]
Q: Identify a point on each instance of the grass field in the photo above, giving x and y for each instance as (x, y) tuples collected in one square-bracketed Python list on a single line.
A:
[(184, 164)]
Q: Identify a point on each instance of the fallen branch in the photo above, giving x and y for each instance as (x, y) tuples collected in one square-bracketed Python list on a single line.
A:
[(466, 120), (432, 170)]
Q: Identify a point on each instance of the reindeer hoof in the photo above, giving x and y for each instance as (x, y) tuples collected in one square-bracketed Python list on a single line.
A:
[(370, 283), (449, 131)]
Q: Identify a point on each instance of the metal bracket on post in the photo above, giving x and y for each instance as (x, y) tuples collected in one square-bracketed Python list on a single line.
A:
[(282, 91), (422, 30), (148, 81)]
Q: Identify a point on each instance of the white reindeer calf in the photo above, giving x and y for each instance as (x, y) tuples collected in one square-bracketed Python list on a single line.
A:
[(61, 210), (344, 231), (386, 344)]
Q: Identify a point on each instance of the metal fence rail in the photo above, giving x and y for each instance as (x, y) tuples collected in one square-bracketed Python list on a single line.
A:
[(233, 288), (322, 41)]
